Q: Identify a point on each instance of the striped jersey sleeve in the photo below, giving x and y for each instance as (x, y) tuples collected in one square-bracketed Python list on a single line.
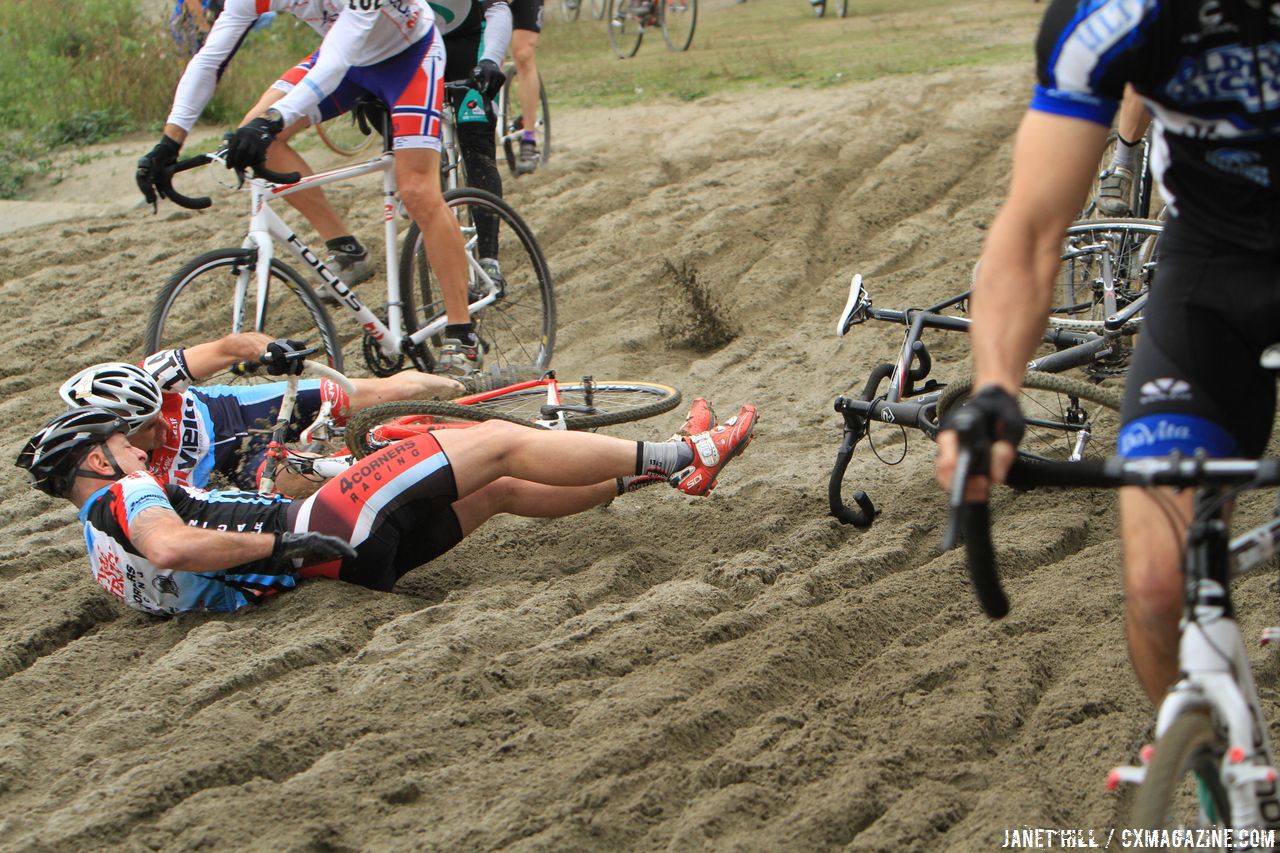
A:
[(1087, 50)]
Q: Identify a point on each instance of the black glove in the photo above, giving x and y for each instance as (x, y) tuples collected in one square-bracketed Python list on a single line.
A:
[(487, 78), (997, 410), (152, 174), (308, 547), (284, 357), (247, 146)]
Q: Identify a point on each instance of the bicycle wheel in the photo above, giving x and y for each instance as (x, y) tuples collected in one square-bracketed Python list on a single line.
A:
[(511, 121), (679, 17), (598, 9), (343, 136), (1066, 419), (520, 327), (624, 20), (597, 403), (1125, 249), (196, 304), (1170, 796), (372, 429)]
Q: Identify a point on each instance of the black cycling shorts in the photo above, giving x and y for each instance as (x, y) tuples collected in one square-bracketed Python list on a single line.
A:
[(1195, 381), (526, 15), (395, 506)]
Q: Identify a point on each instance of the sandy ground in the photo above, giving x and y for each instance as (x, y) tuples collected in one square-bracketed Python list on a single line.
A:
[(733, 673)]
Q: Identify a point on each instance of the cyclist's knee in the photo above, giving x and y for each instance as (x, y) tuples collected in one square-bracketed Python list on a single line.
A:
[(1153, 589)]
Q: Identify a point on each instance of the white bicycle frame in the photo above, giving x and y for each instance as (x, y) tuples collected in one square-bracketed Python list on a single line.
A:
[(324, 418), (266, 227), (1216, 678)]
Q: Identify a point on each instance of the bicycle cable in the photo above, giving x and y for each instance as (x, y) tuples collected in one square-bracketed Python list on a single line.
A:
[(871, 442)]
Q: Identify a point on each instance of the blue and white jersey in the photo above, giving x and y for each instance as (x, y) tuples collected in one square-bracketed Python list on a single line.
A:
[(121, 570), (206, 425), (1212, 83)]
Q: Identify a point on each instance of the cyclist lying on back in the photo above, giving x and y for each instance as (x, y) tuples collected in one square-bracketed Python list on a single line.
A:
[(1206, 72), (191, 432), (164, 548)]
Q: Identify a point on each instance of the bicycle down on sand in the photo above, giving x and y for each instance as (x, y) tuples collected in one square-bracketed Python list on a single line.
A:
[(250, 288), (1212, 763)]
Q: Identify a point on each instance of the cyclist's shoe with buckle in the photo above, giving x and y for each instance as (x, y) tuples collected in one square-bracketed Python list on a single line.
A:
[(1115, 192), (528, 159), (458, 358), (493, 269), (701, 418), (712, 450), (352, 269)]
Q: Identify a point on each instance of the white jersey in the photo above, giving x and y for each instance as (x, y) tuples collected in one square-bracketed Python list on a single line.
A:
[(356, 32)]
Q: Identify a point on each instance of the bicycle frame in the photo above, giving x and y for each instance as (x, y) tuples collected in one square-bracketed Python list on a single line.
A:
[(266, 227), (1215, 672)]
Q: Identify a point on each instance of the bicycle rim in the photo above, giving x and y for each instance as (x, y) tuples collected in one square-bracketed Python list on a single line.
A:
[(372, 429), (625, 31), (611, 402), (679, 17), (1182, 783), (1066, 419), (196, 304), (520, 327), (1131, 247), (343, 136)]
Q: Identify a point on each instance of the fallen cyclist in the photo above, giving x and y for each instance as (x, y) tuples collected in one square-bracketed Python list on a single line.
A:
[(165, 548), (190, 432)]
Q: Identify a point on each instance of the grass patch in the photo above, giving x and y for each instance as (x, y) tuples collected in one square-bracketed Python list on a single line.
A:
[(76, 72), (778, 43)]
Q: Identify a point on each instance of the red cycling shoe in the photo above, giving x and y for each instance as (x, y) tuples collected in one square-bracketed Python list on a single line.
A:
[(712, 451), (701, 418)]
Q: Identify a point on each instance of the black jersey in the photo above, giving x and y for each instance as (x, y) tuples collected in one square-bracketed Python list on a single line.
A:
[(122, 570), (1217, 139)]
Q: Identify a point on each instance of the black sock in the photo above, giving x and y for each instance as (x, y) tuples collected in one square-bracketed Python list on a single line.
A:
[(465, 332), (347, 245)]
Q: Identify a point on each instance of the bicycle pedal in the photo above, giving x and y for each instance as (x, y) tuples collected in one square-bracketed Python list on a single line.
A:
[(1125, 775), (1269, 635)]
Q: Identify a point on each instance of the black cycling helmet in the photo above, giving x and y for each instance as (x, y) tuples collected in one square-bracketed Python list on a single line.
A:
[(52, 455)]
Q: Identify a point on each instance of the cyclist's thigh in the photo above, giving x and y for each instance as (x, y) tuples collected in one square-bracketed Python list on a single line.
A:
[(394, 506), (412, 82), (1195, 381)]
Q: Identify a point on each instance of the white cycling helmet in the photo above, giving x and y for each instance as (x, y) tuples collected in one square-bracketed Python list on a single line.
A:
[(125, 389)]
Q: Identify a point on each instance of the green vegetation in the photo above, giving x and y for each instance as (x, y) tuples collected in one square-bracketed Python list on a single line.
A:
[(771, 43), (75, 72)]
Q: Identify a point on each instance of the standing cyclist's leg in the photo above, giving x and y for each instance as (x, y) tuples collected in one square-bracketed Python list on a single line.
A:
[(349, 258), (477, 140), (1115, 189), (1208, 310), (413, 83), (524, 45)]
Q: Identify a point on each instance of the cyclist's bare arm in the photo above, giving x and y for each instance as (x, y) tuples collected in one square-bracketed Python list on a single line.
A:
[(208, 359), (166, 540), (1054, 160)]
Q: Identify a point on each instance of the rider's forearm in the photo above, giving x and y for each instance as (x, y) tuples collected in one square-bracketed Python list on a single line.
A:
[(177, 134), (1011, 298), (166, 541), (205, 360)]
